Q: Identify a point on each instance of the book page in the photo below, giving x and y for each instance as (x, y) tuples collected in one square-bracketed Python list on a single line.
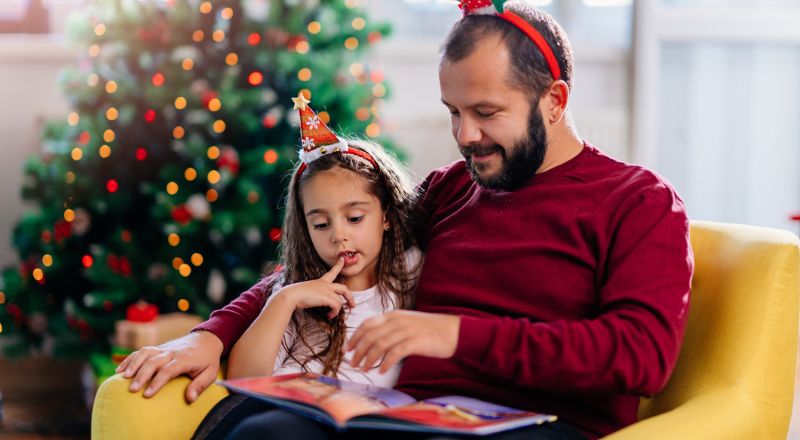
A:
[(341, 400)]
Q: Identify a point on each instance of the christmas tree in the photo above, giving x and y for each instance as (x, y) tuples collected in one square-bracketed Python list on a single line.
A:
[(165, 182)]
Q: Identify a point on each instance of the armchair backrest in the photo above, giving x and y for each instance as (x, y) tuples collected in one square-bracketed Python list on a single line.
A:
[(742, 331)]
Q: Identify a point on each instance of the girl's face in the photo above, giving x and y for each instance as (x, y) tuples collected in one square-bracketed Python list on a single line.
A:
[(345, 219)]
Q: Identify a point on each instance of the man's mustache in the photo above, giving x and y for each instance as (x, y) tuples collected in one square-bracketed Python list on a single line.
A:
[(480, 150)]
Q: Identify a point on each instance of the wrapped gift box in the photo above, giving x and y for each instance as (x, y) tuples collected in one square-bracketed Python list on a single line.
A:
[(135, 335)]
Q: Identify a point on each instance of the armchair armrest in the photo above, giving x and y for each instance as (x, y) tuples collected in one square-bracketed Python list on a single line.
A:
[(120, 415), (715, 414)]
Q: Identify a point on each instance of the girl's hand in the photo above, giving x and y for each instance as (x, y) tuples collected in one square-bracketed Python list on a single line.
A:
[(322, 292)]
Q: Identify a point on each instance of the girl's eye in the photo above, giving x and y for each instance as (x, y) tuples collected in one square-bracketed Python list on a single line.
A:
[(355, 219), (320, 226)]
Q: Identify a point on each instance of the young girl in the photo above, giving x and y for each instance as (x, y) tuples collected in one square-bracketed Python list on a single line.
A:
[(346, 256)]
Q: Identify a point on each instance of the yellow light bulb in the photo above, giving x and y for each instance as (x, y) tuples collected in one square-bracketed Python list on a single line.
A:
[(176, 262), (226, 13), (351, 43), (213, 152), (178, 132), (373, 130), (105, 151), (73, 119), (100, 29), (174, 240), (231, 59), (180, 103), (69, 177), (197, 259), (190, 174), (314, 27), (185, 270), (304, 74), (358, 23), (212, 195), (214, 177), (112, 114), (205, 7), (47, 260), (183, 305), (214, 105), (172, 188), (219, 126), (77, 154), (38, 274), (218, 35), (187, 64), (198, 35), (111, 86), (109, 135)]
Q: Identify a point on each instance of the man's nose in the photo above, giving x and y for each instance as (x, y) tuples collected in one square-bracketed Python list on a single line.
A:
[(468, 132)]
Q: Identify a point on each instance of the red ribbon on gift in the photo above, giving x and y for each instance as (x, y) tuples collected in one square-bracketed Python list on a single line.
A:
[(141, 312)]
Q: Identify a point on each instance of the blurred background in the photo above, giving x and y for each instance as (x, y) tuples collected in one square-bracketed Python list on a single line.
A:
[(705, 92)]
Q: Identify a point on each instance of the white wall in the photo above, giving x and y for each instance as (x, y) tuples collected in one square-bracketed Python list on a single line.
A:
[(29, 95)]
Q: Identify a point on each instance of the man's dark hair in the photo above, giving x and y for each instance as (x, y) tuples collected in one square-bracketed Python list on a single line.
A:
[(528, 70)]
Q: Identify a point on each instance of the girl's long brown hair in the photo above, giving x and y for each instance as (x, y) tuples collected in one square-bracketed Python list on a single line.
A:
[(392, 185)]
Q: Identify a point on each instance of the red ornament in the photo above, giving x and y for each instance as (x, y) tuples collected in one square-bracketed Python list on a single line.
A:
[(374, 37), (141, 312), (141, 154), (158, 79), (124, 266), (269, 121), (150, 116), (255, 78), (181, 214), (108, 305), (63, 230), (796, 217), (46, 237), (253, 39), (84, 138), (87, 261), (275, 234), (113, 263), (112, 186), (229, 160), (376, 76)]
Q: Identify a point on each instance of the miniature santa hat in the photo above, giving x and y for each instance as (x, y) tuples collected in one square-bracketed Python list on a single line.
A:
[(497, 9), (317, 139)]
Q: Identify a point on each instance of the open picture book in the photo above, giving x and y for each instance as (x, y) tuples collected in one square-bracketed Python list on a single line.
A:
[(350, 405)]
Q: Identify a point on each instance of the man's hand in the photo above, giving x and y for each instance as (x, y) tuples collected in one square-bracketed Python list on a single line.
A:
[(196, 355), (401, 333)]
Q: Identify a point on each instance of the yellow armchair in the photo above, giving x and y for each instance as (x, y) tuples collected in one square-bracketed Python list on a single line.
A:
[(734, 378)]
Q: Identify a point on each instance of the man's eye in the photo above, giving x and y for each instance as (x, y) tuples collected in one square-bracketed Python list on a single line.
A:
[(486, 115), (355, 219), (320, 226), (453, 112)]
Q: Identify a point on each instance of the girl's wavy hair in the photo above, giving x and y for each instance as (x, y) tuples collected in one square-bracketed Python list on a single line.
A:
[(393, 186)]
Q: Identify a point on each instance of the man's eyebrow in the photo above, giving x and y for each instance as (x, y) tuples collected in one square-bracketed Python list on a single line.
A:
[(476, 105), (345, 206)]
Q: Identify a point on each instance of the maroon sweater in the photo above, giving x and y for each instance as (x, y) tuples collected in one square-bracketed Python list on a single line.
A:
[(573, 290)]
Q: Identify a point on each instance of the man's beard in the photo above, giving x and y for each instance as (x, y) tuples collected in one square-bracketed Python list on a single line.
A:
[(519, 164)]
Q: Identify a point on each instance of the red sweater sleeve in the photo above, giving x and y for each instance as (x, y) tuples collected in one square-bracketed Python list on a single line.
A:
[(632, 343), (230, 322)]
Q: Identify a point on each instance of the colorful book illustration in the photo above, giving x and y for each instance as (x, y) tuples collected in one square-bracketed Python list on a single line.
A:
[(346, 405)]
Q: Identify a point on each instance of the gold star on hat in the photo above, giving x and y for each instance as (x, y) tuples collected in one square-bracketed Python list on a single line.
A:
[(300, 102)]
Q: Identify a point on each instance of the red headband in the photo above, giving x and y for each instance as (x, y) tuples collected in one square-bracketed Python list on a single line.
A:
[(355, 151), (537, 39), (493, 8)]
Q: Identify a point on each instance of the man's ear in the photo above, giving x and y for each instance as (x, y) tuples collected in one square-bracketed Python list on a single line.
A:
[(554, 101)]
